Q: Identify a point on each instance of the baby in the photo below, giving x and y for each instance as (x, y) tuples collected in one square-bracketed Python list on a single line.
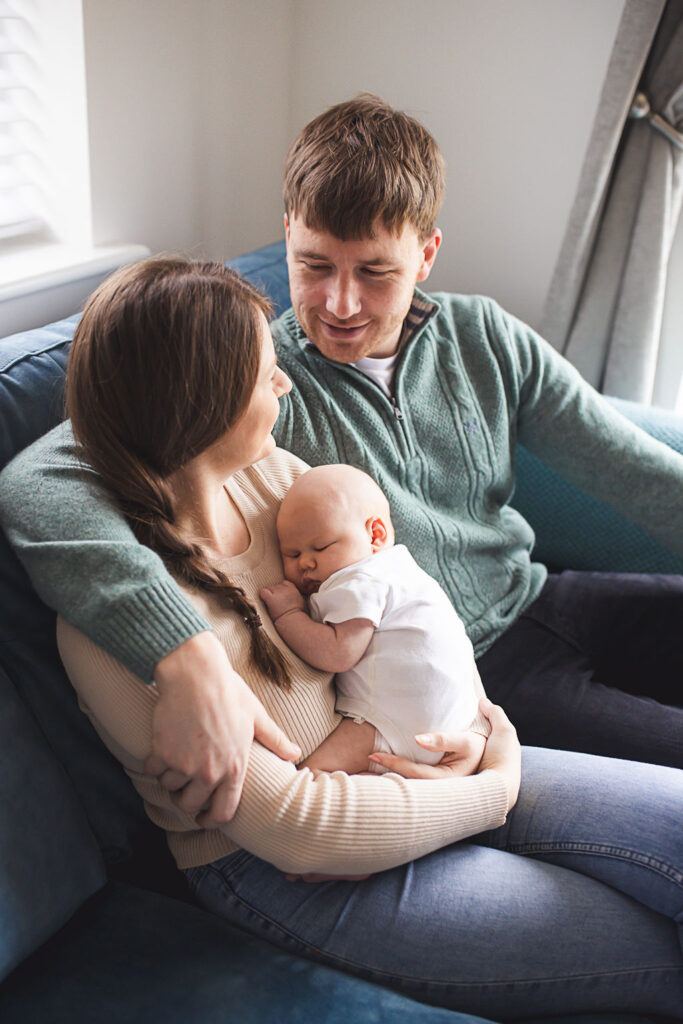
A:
[(403, 661)]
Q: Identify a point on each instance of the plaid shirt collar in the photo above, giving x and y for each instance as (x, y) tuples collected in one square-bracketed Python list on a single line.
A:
[(422, 309)]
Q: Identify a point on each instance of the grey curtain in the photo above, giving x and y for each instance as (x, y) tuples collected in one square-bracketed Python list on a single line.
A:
[(605, 302)]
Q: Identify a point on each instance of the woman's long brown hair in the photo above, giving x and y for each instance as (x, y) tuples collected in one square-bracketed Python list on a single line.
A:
[(163, 362)]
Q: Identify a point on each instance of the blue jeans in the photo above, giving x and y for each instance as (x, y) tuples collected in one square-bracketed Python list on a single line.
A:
[(596, 664), (574, 905)]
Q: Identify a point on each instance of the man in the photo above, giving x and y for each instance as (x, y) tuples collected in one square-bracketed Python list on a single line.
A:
[(430, 397)]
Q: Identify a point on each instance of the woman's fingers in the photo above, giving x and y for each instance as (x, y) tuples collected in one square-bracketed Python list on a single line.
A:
[(436, 741), (441, 742), (494, 713), (408, 769)]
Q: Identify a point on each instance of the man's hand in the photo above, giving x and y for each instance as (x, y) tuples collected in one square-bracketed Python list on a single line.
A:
[(202, 729), (281, 598)]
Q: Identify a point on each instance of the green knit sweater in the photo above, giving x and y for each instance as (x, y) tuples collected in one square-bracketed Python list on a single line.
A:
[(471, 381)]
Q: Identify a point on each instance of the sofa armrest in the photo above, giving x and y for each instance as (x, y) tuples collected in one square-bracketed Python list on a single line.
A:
[(576, 531)]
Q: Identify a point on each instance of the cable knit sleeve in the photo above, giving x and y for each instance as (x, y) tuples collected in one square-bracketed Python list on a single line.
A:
[(84, 559), (569, 426)]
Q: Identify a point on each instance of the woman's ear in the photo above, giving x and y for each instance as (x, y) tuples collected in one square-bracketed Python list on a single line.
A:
[(378, 533)]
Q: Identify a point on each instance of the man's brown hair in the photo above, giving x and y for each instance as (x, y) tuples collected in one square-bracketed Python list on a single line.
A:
[(361, 162)]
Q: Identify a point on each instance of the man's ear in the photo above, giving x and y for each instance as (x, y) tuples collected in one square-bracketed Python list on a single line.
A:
[(286, 229), (377, 532), (429, 250)]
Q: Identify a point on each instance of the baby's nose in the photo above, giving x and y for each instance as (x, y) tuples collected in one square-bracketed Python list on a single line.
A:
[(307, 561)]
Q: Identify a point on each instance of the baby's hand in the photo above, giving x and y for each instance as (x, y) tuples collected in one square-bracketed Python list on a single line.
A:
[(281, 598)]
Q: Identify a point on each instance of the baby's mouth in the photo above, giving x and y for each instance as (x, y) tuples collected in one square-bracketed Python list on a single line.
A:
[(310, 586)]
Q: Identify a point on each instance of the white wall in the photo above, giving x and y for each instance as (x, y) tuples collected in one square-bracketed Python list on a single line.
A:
[(187, 106), (192, 105), (508, 87)]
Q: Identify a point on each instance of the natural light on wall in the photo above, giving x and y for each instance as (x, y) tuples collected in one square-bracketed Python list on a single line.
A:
[(48, 263)]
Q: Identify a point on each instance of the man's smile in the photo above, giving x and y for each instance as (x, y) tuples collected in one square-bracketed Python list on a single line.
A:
[(343, 331)]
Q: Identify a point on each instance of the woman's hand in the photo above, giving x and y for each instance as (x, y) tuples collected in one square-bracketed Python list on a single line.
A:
[(502, 753), (463, 752), (202, 729)]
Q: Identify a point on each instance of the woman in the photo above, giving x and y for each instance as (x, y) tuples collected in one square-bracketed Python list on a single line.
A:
[(568, 893)]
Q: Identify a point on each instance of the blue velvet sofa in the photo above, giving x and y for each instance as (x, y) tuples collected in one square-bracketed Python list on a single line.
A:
[(96, 924)]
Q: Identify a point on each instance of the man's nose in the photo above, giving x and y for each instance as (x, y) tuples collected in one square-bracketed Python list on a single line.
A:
[(343, 297)]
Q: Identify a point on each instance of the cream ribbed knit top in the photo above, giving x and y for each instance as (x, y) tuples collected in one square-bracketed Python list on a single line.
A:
[(336, 823)]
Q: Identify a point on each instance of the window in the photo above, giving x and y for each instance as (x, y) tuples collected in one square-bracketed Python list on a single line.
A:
[(21, 203), (48, 262), (44, 162)]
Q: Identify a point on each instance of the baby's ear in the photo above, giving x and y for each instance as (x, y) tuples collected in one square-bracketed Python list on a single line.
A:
[(378, 533)]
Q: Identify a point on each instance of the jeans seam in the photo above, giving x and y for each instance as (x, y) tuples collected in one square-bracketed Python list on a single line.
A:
[(601, 850), (335, 958)]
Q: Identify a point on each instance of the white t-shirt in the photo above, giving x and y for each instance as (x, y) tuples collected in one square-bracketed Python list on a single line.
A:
[(417, 674), (380, 370)]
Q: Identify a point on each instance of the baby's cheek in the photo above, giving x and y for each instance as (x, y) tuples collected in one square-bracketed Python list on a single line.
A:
[(289, 570)]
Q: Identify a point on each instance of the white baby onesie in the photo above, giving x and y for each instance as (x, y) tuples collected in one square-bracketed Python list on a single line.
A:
[(417, 674)]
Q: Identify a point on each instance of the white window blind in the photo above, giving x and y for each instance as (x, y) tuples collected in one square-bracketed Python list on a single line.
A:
[(21, 199)]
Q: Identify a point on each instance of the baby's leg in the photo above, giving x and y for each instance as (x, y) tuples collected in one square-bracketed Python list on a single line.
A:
[(346, 749)]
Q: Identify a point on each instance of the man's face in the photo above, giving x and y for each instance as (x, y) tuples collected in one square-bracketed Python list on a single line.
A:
[(352, 297)]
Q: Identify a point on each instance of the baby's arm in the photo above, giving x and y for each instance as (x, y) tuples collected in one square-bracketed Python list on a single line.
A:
[(334, 648), (346, 749)]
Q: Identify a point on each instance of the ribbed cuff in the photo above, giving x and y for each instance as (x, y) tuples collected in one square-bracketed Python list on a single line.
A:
[(148, 625)]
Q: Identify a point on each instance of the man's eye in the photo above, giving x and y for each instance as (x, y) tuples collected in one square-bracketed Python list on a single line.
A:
[(371, 272), (315, 266)]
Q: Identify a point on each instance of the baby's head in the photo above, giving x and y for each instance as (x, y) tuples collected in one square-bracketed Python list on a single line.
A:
[(331, 517)]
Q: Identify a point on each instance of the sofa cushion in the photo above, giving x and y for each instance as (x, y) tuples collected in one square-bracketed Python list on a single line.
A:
[(574, 530), (49, 859), (130, 955), (267, 269), (131, 845), (32, 369)]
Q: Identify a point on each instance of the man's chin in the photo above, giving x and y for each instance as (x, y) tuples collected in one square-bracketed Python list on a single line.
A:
[(341, 351)]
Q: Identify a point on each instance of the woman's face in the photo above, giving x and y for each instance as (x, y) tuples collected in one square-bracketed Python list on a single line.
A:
[(251, 439)]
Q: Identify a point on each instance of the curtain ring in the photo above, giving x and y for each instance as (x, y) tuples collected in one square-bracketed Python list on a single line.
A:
[(641, 108)]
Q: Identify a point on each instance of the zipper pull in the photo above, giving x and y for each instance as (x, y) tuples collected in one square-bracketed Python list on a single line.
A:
[(397, 412)]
